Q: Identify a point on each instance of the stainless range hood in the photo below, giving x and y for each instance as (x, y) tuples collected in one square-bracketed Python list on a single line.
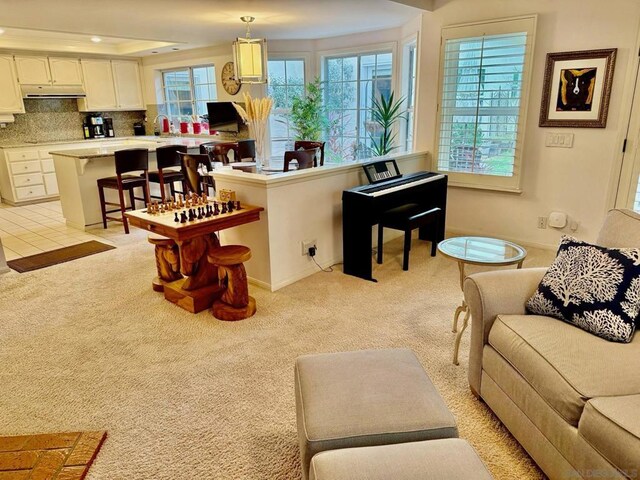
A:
[(52, 91)]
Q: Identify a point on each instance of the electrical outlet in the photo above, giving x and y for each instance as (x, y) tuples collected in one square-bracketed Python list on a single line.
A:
[(307, 244), (542, 222)]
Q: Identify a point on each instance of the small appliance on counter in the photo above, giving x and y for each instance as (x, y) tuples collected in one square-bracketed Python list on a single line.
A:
[(108, 127), (139, 129), (94, 126)]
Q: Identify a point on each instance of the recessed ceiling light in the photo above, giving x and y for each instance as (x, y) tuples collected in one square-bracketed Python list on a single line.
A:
[(1, 31), (154, 51), (96, 39), (174, 48)]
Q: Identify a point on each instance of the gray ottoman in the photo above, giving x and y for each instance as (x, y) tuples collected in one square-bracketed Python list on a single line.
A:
[(450, 459), (366, 398)]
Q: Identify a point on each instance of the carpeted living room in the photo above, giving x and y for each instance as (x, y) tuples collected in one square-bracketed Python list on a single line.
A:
[(433, 275)]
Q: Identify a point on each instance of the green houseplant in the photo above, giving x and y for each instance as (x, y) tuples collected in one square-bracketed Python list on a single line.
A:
[(385, 112), (307, 113)]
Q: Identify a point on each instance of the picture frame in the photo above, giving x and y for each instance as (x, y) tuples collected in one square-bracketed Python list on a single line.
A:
[(577, 88)]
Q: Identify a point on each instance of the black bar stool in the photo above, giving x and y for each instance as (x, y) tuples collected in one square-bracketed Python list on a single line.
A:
[(167, 157), (246, 149), (306, 145), (131, 160), (407, 218)]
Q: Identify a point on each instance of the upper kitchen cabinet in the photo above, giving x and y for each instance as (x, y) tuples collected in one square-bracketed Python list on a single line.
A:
[(98, 86), (111, 85), (10, 95), (126, 76), (48, 71)]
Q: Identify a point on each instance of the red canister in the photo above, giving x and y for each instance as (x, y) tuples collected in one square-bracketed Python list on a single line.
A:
[(197, 128), (184, 127)]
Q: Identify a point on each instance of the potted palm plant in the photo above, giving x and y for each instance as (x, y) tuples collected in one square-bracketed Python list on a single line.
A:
[(385, 112)]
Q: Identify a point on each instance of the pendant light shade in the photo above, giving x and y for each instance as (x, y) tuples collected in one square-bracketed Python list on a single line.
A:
[(250, 57)]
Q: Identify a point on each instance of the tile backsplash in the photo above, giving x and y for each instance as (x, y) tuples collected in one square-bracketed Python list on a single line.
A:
[(49, 120)]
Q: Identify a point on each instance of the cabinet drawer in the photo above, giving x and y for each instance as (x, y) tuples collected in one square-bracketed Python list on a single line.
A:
[(27, 180), (26, 167), (45, 153), (47, 165), (24, 193), (25, 155)]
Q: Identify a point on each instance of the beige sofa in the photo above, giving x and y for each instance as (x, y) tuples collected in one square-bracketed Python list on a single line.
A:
[(571, 399)]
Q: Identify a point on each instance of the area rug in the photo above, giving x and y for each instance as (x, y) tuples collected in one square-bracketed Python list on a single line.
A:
[(186, 396), (61, 255), (50, 456)]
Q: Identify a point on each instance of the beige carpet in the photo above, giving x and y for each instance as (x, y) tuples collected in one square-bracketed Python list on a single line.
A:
[(88, 345)]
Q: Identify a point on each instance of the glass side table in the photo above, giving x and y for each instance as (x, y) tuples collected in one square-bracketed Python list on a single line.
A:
[(482, 251)]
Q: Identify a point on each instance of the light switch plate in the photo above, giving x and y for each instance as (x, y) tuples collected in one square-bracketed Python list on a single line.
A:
[(560, 140)]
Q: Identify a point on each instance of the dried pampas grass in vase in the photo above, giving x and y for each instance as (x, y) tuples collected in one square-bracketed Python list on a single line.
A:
[(256, 115)]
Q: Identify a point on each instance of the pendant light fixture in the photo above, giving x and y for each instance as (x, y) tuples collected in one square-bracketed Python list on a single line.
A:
[(250, 57)]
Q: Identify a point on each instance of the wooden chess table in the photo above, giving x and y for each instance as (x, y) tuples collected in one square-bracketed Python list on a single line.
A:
[(196, 241)]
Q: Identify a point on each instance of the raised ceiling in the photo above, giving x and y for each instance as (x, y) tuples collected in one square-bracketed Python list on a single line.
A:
[(192, 23)]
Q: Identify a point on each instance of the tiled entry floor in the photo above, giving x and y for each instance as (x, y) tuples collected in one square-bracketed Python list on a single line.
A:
[(38, 228)]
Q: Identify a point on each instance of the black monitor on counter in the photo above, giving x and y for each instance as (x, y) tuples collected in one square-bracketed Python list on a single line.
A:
[(223, 117)]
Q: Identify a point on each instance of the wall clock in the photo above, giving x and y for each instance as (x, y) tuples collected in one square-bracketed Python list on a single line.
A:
[(229, 81)]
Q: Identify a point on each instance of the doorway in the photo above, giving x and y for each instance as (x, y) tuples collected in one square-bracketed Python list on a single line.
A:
[(628, 195)]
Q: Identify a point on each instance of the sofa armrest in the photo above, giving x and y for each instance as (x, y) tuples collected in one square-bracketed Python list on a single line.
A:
[(488, 294)]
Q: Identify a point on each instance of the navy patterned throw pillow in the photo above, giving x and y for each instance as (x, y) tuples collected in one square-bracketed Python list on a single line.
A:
[(594, 288)]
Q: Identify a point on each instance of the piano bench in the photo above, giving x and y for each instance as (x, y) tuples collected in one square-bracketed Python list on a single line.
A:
[(407, 218)]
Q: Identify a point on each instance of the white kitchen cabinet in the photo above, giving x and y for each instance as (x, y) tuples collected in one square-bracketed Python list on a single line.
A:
[(111, 85), (50, 184), (65, 71), (10, 95), (128, 85), (33, 70), (48, 71), (98, 85)]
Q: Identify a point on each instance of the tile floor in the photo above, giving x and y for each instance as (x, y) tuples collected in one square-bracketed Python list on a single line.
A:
[(32, 229)]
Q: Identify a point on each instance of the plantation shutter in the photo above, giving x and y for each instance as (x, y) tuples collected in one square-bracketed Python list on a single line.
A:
[(482, 105)]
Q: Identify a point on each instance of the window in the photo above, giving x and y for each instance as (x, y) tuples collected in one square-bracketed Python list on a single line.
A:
[(187, 90), (409, 92), (351, 82), (485, 72), (286, 81), (636, 204)]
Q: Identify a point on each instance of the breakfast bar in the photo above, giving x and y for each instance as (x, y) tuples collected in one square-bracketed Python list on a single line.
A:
[(78, 170)]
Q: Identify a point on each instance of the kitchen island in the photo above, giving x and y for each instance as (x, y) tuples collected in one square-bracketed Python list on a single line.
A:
[(78, 170)]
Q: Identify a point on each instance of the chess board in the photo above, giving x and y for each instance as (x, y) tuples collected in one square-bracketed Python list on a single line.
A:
[(206, 216)]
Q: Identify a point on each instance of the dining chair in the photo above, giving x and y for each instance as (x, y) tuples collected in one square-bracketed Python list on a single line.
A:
[(220, 152), (305, 158), (246, 150), (130, 160), (307, 144), (192, 165), (166, 158)]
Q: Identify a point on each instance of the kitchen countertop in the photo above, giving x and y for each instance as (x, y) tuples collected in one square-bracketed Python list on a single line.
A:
[(152, 138), (151, 143)]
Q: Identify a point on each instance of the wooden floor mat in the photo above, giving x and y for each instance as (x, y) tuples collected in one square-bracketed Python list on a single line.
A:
[(50, 456)]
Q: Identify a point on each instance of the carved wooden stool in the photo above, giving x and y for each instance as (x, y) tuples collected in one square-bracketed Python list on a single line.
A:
[(235, 303), (167, 261)]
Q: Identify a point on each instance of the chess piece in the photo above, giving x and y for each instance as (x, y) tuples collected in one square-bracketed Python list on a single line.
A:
[(230, 205), (183, 217), (192, 215), (208, 211), (180, 202), (199, 213), (149, 209), (238, 205), (224, 208), (205, 199), (216, 209), (176, 219)]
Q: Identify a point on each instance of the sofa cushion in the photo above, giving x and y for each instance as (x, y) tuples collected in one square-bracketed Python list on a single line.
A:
[(621, 229), (611, 425), (565, 365), (593, 287)]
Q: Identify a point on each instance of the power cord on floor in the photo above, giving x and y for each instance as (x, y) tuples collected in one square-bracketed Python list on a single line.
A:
[(312, 254)]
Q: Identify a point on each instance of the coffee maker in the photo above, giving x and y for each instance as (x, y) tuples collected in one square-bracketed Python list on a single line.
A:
[(94, 126)]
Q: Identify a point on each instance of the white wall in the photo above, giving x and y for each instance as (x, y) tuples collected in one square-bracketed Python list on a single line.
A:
[(578, 181)]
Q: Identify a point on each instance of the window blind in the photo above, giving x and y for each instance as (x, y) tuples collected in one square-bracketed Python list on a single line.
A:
[(480, 109)]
